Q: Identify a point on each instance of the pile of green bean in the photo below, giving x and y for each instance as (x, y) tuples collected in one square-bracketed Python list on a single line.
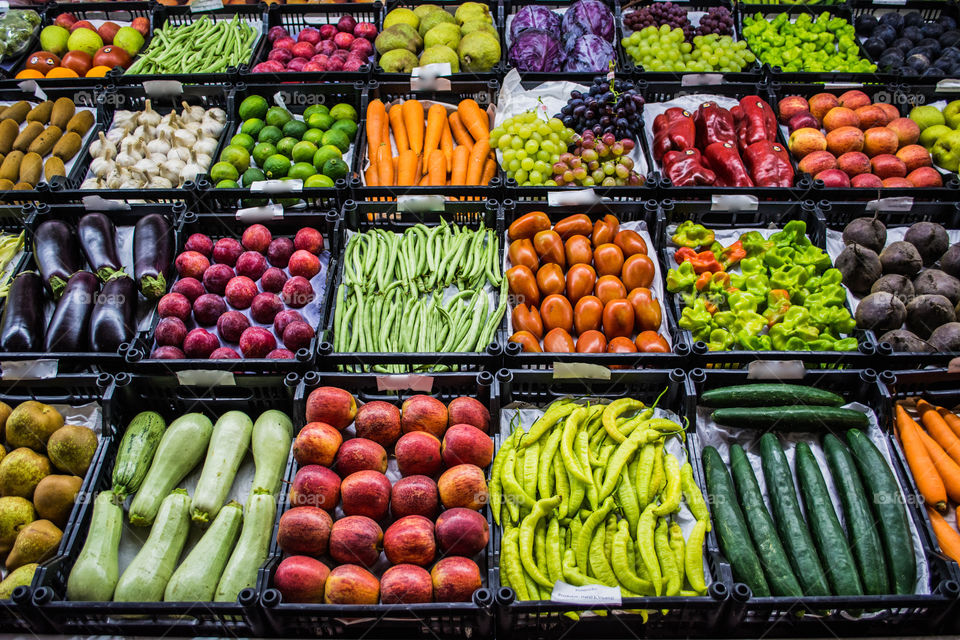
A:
[(587, 496), (391, 297), (203, 46)]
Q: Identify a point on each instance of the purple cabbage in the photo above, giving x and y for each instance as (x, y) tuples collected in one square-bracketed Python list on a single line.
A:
[(589, 53), (535, 50), (586, 17), (534, 16)]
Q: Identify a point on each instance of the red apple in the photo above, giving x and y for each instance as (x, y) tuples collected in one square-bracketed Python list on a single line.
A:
[(803, 120), (866, 181), (853, 163), (107, 30), (350, 584), (406, 584), (455, 579), (418, 453), (65, 20), (304, 531), (142, 25), (805, 141), (844, 140), (840, 117), (889, 110), (880, 140), (360, 454), (334, 406), (366, 493), (886, 165), (356, 539), (317, 443), (872, 116), (908, 131), (915, 156), (470, 411), (410, 540), (464, 444), (833, 178), (853, 99), (378, 421), (821, 103), (315, 486), (424, 413), (462, 532), (897, 183), (414, 495), (790, 106), (814, 163), (301, 579), (925, 177), (463, 486), (82, 24)]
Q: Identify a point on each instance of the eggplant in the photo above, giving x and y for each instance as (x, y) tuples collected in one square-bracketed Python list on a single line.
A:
[(22, 326), (98, 238), (152, 255), (56, 253), (67, 331), (112, 321)]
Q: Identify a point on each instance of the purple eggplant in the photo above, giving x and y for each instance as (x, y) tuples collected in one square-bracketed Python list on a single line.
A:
[(152, 255), (67, 331), (22, 326), (112, 321), (98, 238), (56, 254)]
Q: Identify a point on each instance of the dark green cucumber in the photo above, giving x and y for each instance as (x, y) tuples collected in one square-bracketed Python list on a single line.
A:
[(791, 418), (762, 530), (769, 395), (786, 512), (861, 531), (888, 508), (825, 526), (730, 526)]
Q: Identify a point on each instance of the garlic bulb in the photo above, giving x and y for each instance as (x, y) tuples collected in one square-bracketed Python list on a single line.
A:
[(158, 145), (190, 172), (217, 114), (205, 146), (128, 155), (185, 138), (211, 128), (124, 119), (148, 116), (164, 131), (192, 114), (159, 182), (116, 135), (147, 166), (90, 183), (171, 169), (146, 132), (100, 167), (180, 153), (113, 180), (203, 160), (102, 148)]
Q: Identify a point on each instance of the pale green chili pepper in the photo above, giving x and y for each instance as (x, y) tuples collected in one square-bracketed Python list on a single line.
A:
[(671, 492), (511, 565), (668, 563), (623, 565), (693, 557), (646, 545), (676, 543), (598, 560), (693, 495), (585, 535), (527, 530)]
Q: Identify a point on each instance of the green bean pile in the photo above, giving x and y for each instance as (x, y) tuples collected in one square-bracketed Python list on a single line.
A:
[(391, 298), (586, 496), (203, 46)]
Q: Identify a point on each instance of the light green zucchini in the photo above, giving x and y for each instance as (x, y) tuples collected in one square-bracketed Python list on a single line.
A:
[(137, 448), (94, 574), (272, 436), (228, 445), (251, 549), (196, 578)]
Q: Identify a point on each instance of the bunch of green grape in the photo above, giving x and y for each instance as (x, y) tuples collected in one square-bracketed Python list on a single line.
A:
[(530, 147), (664, 49)]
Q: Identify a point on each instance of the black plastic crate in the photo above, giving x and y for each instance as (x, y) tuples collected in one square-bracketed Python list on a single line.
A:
[(669, 616), (19, 613), (647, 212), (227, 226), (484, 92), (808, 616), (166, 395), (772, 215), (426, 620)]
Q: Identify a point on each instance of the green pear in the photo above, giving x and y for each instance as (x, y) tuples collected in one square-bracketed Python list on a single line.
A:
[(433, 19), (21, 471), (472, 11), (446, 34), (424, 9), (930, 135), (440, 53), (952, 114), (479, 51), (35, 543), (478, 25), (401, 16), (31, 424), (399, 36), (926, 116), (15, 514), (398, 61), (20, 577), (71, 449), (946, 151)]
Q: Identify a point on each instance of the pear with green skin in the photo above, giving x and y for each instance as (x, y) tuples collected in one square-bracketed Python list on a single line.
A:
[(15, 514), (35, 543), (444, 34), (478, 25), (423, 9), (398, 61), (21, 471), (71, 449), (946, 151), (5, 411), (930, 135), (439, 54), (401, 15), (31, 424), (432, 19), (399, 36), (472, 11), (20, 577), (479, 51), (926, 116), (951, 114)]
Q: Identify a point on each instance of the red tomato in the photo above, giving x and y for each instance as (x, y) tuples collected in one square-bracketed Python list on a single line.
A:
[(638, 271), (527, 226), (549, 247), (558, 341), (578, 250), (605, 230), (588, 314), (580, 281), (652, 342), (608, 259), (646, 309), (527, 318), (527, 340), (621, 345), (550, 279), (522, 252), (630, 242), (577, 224), (591, 342), (618, 318), (523, 285), (609, 288), (556, 312)]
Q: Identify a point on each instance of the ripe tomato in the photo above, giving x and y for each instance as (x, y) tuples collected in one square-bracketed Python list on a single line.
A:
[(558, 341), (608, 259), (609, 288), (523, 285), (652, 342), (605, 230), (42, 61), (578, 250), (527, 226), (630, 242), (550, 279), (646, 309), (527, 340), (577, 224), (618, 318), (556, 312), (527, 318), (588, 314), (621, 345), (591, 342), (638, 271), (522, 252), (549, 247), (580, 281)]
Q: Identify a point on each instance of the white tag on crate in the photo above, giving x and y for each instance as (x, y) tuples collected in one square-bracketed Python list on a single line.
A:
[(260, 214), (572, 198), (421, 204), (279, 100), (842, 85), (96, 203), (697, 79), (775, 370), (206, 378), (580, 370), (588, 595), (732, 203), (4, 6), (411, 382), (31, 86), (42, 369), (890, 2), (900, 203), (949, 84), (197, 6), (430, 77), (276, 186), (162, 88)]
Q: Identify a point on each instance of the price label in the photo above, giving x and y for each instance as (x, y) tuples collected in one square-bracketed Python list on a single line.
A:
[(733, 203), (260, 214), (276, 186), (842, 85), (579, 370), (949, 84), (96, 203), (899, 2), (698, 79), (572, 198), (162, 88), (430, 77), (900, 203), (206, 378), (42, 369), (776, 370), (421, 204), (199, 6), (279, 100), (31, 86), (412, 382), (587, 595)]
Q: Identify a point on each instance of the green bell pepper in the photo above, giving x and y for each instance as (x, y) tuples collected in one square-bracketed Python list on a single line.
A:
[(693, 235), (681, 278)]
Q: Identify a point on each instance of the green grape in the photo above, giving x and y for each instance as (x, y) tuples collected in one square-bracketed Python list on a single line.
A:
[(520, 154), (531, 146), (527, 164), (503, 141), (542, 167), (556, 124), (550, 183), (520, 176), (509, 154), (514, 165), (542, 155), (548, 146), (535, 177), (497, 132), (516, 143), (524, 132)]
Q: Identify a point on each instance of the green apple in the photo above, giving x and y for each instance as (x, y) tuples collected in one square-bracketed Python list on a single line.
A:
[(930, 135), (54, 38), (946, 151), (927, 116), (952, 114)]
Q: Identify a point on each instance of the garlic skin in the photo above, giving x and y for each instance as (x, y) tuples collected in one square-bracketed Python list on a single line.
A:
[(148, 116), (171, 169), (100, 167), (159, 182), (102, 147), (147, 166), (185, 138), (211, 128), (192, 114), (205, 146), (90, 183), (158, 145), (116, 135), (203, 160), (190, 172), (217, 114), (180, 153), (125, 120)]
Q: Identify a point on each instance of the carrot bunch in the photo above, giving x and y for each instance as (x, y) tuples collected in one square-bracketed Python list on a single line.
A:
[(433, 147), (933, 454)]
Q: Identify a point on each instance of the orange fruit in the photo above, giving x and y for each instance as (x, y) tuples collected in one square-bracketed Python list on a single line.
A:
[(97, 72), (29, 73), (62, 72)]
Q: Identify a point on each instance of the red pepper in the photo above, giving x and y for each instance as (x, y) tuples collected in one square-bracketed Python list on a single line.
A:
[(673, 130), (726, 162), (778, 303), (732, 254), (703, 281), (686, 169), (769, 164), (761, 121), (683, 254), (714, 124)]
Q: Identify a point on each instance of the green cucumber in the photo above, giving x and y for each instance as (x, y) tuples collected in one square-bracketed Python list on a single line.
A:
[(791, 418), (136, 451), (181, 448), (146, 577), (251, 549), (94, 575), (272, 436), (861, 530), (228, 445), (825, 526), (888, 508), (730, 526), (769, 395), (762, 530), (196, 578), (786, 513)]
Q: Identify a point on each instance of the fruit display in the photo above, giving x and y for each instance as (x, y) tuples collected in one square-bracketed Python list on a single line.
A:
[(578, 38), (902, 281), (467, 38), (759, 289), (376, 480), (702, 140), (907, 45), (72, 48), (48, 451), (784, 551), (850, 141), (207, 45), (180, 476), (274, 144), (410, 143), (620, 508), (260, 292), (825, 43), (16, 30), (591, 279), (344, 46), (938, 124)]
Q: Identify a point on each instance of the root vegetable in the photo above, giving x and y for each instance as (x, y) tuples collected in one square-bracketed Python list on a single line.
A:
[(901, 340), (868, 232), (880, 311), (950, 260), (934, 281), (860, 267), (927, 312), (896, 284), (929, 238), (901, 257), (946, 337)]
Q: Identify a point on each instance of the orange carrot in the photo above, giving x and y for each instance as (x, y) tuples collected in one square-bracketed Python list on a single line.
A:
[(407, 168), (437, 169), (459, 131), (446, 144), (478, 156), (938, 429), (371, 175), (461, 158), (947, 536), (489, 170), (436, 116), (424, 181), (948, 469), (385, 165), (474, 119), (376, 115), (413, 119), (399, 130), (951, 419), (924, 473)]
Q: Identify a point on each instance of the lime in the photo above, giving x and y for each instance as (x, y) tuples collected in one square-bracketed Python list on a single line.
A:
[(338, 139), (313, 135), (270, 134), (223, 171), (302, 171), (286, 145), (254, 202), (303, 151), (320, 121), (276, 166), (252, 175), (237, 156), (315, 108), (278, 116), (349, 127), (295, 129), (252, 127), (243, 140), (335, 168), (344, 111), (227, 184), (253, 107), (318, 180), (263, 151), (324, 153)]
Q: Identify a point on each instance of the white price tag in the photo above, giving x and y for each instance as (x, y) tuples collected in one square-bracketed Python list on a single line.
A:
[(162, 88), (580, 371), (96, 203), (588, 595), (206, 378), (197, 6), (412, 382), (421, 204), (4, 6), (433, 70), (842, 85), (42, 369), (697, 79), (430, 77), (949, 84), (260, 214), (900, 203), (732, 203), (276, 186), (775, 370), (901, 2), (572, 198), (31, 86), (278, 99)]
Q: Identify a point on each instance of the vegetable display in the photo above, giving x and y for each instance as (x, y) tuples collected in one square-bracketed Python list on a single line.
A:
[(344, 46), (824, 43), (578, 38), (38, 141), (207, 45), (909, 45)]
